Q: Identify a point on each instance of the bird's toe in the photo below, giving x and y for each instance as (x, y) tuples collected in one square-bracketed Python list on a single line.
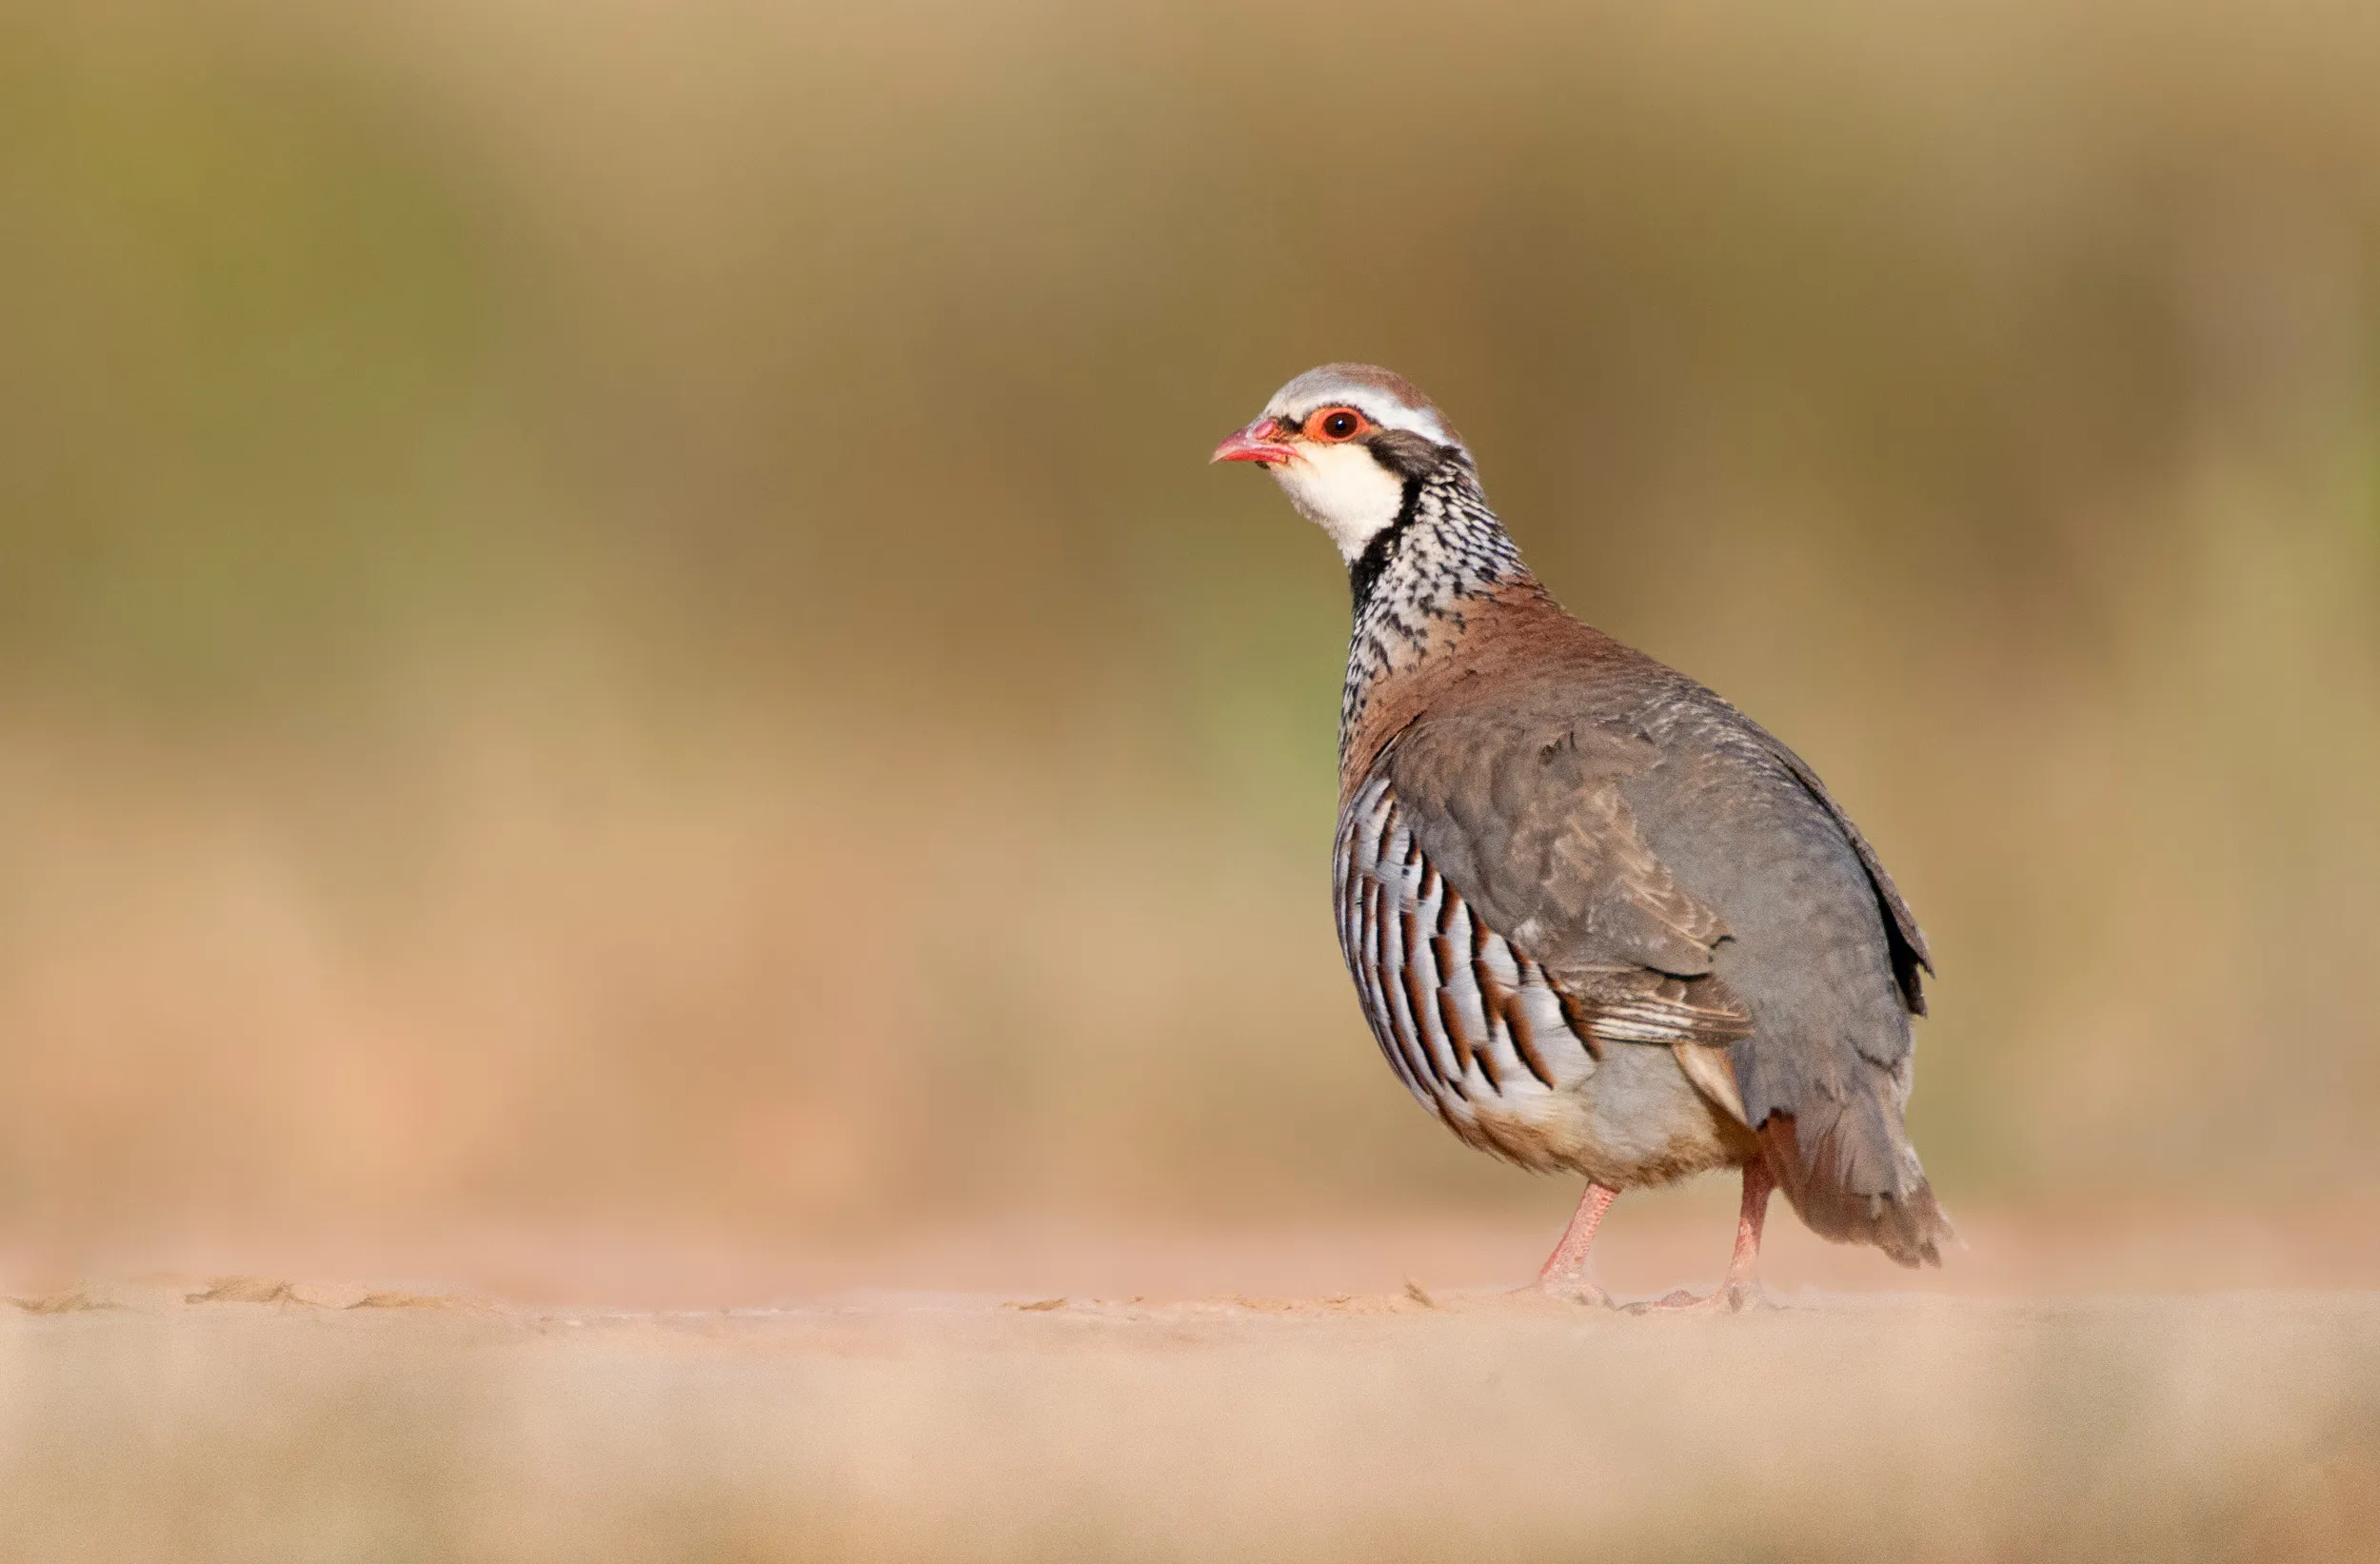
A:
[(1734, 1299), (1741, 1296)]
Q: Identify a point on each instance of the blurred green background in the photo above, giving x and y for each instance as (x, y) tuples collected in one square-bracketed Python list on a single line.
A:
[(616, 610)]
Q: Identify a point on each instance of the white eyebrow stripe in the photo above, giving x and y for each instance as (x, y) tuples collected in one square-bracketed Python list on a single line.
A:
[(1387, 415)]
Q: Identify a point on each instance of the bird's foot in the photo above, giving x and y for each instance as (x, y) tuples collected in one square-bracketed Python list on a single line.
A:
[(1734, 1299), (1577, 1291)]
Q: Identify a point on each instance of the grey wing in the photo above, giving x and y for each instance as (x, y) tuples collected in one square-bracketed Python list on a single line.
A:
[(1908, 942), (1530, 821)]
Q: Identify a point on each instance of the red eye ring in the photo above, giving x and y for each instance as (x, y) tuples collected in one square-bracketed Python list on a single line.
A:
[(1334, 426)]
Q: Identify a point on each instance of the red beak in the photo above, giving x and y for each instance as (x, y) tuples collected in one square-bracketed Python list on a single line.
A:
[(1257, 443)]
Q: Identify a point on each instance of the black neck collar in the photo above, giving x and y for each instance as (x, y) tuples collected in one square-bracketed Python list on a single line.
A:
[(1365, 569)]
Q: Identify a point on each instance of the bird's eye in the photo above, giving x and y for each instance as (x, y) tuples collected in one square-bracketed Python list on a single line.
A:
[(1335, 423)]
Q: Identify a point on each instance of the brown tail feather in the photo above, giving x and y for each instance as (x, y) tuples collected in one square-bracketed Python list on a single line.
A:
[(1857, 1181)]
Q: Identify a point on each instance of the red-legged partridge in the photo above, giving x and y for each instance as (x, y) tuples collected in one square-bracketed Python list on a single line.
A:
[(1600, 920)]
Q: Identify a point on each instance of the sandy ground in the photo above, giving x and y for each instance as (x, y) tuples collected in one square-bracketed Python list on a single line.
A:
[(262, 1417)]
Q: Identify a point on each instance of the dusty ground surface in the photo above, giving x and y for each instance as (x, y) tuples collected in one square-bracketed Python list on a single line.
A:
[(266, 1417)]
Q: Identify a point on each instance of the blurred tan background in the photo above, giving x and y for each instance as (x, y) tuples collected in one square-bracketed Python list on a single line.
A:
[(612, 612)]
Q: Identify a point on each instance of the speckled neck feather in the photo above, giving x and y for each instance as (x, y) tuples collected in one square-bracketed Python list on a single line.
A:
[(1416, 584)]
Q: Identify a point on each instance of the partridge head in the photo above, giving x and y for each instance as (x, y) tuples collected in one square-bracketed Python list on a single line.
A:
[(1344, 441)]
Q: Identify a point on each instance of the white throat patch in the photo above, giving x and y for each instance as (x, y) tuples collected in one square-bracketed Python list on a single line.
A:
[(1343, 491)]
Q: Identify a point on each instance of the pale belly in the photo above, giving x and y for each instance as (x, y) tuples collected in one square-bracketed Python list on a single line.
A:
[(1629, 1119)]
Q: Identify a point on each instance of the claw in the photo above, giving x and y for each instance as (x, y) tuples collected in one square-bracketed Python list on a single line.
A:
[(1734, 1299)]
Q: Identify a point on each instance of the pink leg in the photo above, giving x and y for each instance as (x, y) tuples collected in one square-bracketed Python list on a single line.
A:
[(1742, 1287), (1743, 1270), (1565, 1270)]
